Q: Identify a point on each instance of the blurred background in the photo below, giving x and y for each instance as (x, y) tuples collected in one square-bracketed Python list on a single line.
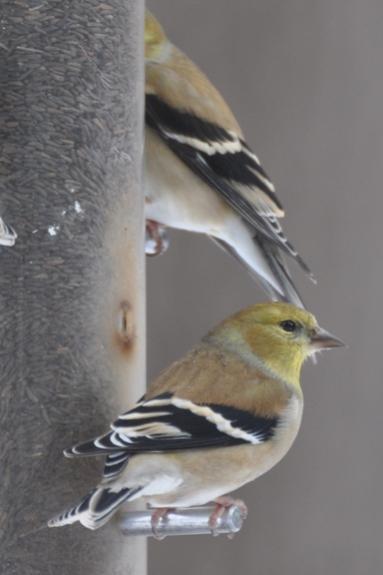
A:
[(305, 80)]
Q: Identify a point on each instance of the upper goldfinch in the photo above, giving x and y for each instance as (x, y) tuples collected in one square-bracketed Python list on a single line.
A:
[(201, 176), (218, 418)]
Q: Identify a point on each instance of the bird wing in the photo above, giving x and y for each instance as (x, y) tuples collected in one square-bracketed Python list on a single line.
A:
[(167, 423), (222, 158)]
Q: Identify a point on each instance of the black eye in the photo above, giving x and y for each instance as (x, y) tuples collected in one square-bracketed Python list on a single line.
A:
[(289, 325)]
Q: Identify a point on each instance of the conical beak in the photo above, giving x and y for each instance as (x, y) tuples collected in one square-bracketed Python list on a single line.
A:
[(322, 339)]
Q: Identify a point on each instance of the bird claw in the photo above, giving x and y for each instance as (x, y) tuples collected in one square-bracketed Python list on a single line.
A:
[(221, 504), (156, 238), (158, 516)]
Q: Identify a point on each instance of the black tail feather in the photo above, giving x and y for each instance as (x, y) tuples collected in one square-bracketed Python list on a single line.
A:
[(280, 270), (274, 257), (96, 508)]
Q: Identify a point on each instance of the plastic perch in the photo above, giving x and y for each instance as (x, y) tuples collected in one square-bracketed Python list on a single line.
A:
[(191, 521)]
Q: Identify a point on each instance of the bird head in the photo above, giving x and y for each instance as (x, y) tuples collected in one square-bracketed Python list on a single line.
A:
[(155, 38), (279, 335)]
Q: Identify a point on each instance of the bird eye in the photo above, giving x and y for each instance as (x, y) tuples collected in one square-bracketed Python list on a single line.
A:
[(289, 325)]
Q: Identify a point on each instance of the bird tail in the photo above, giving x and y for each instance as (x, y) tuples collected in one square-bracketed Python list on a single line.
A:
[(280, 271), (96, 508), (265, 263)]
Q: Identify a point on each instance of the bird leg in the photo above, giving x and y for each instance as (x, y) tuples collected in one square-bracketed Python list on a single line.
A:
[(156, 239), (221, 504), (158, 516)]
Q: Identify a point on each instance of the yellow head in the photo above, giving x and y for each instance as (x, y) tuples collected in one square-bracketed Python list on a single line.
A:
[(155, 38), (280, 335)]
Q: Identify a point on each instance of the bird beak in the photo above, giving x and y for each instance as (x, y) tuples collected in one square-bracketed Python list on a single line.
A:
[(322, 339)]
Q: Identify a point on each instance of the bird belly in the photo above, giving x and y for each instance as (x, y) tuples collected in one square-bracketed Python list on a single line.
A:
[(216, 472), (195, 477), (175, 196)]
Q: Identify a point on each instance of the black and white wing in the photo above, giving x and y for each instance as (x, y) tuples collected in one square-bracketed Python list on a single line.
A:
[(168, 423), (223, 160)]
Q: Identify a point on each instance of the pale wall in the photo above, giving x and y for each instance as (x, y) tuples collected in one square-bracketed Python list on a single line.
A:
[(305, 79)]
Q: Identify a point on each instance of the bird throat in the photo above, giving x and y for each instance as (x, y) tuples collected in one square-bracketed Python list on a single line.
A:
[(275, 358), (283, 361)]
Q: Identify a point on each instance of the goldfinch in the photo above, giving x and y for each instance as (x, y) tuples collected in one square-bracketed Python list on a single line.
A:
[(201, 176), (220, 417)]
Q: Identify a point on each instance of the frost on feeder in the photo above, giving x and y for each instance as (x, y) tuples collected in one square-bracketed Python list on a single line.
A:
[(8, 236)]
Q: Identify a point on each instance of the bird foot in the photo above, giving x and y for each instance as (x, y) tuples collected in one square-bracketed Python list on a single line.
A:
[(221, 504), (158, 516), (156, 239)]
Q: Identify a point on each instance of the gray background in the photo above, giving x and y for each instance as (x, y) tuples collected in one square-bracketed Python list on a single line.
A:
[(305, 80)]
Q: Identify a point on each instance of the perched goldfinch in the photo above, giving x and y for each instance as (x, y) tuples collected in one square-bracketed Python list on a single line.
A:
[(201, 176), (218, 418)]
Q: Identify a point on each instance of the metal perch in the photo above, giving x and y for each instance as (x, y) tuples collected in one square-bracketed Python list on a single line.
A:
[(192, 521)]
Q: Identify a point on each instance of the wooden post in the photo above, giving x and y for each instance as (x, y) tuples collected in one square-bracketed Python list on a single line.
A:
[(72, 290)]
